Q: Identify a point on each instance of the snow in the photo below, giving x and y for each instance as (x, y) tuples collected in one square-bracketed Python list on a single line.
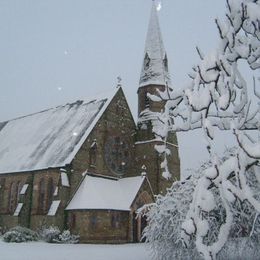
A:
[(64, 179), (24, 189), (56, 191), (47, 139), (43, 251), (53, 208), (188, 226), (104, 193), (18, 209), (156, 73)]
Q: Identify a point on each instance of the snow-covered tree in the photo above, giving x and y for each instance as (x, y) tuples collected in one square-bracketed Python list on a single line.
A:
[(217, 97)]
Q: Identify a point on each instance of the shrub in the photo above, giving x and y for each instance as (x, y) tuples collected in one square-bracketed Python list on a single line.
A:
[(20, 234), (50, 234), (67, 238), (53, 234)]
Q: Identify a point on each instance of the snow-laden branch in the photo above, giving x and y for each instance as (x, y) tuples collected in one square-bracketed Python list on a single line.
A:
[(217, 96)]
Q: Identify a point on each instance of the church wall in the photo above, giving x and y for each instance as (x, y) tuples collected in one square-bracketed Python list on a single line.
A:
[(116, 121), (7, 208), (39, 215), (29, 215), (99, 226)]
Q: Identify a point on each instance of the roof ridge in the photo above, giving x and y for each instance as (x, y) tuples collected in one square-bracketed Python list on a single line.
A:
[(86, 100)]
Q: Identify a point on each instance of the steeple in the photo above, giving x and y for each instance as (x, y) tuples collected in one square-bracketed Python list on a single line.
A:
[(154, 77), (155, 64)]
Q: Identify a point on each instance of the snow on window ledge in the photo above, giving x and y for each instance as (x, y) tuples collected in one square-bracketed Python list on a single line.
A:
[(56, 191), (18, 209), (64, 179), (53, 208), (24, 189)]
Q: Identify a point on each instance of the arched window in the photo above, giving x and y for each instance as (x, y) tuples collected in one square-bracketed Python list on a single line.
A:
[(2, 190), (93, 221), (146, 61), (146, 101), (18, 190), (93, 154), (50, 191), (12, 198), (72, 221), (115, 220), (165, 63), (41, 196)]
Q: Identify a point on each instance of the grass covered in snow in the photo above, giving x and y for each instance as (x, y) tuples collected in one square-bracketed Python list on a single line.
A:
[(43, 251)]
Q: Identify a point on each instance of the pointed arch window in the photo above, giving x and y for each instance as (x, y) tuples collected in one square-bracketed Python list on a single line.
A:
[(12, 198), (146, 61), (93, 154), (165, 63), (115, 219), (41, 196), (18, 190), (2, 190), (146, 100), (50, 192)]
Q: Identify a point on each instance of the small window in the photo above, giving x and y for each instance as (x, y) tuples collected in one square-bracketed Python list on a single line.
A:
[(12, 198), (2, 189), (73, 220), (93, 221), (165, 63), (18, 190), (115, 220), (50, 192), (146, 101), (146, 62), (93, 154), (41, 197)]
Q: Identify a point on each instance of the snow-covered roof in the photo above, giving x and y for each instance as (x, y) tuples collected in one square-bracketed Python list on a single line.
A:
[(50, 138), (155, 66), (104, 193)]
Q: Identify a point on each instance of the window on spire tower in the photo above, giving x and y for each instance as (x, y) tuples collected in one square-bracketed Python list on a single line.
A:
[(165, 63), (146, 62)]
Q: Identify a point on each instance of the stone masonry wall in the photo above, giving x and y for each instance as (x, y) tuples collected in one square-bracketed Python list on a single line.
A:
[(99, 226), (116, 121)]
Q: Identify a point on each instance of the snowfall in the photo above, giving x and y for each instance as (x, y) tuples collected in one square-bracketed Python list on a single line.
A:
[(43, 251)]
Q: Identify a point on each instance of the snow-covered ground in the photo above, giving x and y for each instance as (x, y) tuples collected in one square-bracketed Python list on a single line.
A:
[(43, 251)]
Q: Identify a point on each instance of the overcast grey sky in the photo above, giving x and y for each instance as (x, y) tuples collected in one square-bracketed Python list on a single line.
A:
[(56, 51)]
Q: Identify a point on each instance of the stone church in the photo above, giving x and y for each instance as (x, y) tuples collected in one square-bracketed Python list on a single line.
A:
[(87, 166)]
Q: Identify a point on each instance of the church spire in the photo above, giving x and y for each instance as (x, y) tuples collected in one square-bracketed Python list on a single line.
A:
[(155, 64)]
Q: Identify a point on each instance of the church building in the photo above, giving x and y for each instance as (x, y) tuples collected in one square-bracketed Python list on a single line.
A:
[(87, 166)]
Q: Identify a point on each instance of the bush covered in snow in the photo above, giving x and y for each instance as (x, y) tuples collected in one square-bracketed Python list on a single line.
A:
[(67, 238), (49, 234), (53, 234), (20, 234), (171, 233)]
